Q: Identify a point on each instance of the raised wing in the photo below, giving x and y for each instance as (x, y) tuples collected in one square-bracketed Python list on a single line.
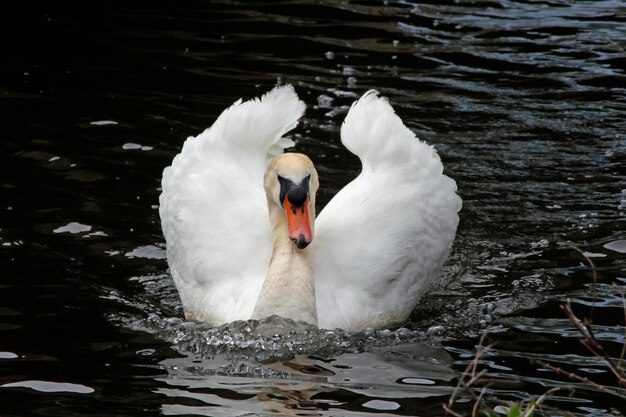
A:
[(381, 241), (214, 210)]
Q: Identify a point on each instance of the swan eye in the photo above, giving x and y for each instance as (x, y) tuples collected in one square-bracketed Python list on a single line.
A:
[(296, 193)]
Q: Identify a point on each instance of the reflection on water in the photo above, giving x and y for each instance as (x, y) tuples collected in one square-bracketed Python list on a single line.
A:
[(385, 380), (524, 102)]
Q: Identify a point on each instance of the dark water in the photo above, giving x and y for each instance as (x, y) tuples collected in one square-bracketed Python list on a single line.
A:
[(526, 104)]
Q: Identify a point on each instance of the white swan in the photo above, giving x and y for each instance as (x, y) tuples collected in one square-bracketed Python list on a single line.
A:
[(375, 248)]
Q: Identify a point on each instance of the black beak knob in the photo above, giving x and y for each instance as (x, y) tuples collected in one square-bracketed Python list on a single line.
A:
[(302, 243)]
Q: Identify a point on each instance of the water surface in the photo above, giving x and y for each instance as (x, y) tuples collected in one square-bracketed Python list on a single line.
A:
[(525, 103)]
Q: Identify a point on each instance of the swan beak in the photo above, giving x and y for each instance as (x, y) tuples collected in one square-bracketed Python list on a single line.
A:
[(299, 223)]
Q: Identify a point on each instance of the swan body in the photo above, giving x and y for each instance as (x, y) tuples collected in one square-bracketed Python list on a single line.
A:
[(242, 236)]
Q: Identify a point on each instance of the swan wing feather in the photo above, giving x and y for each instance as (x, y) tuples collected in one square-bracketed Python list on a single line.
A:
[(213, 207), (381, 241)]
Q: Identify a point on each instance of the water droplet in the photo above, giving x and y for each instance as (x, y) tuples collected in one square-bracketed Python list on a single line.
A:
[(324, 101)]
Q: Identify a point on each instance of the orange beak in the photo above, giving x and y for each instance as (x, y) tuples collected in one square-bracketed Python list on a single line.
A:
[(298, 223)]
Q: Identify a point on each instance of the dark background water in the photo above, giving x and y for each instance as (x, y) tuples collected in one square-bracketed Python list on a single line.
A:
[(525, 102)]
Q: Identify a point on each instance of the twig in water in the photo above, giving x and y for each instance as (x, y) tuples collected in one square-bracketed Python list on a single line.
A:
[(594, 274), (471, 372), (591, 343), (584, 326), (450, 411), (582, 379), (621, 356), (540, 400), (478, 402)]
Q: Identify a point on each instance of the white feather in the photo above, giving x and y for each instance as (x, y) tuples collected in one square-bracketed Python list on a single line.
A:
[(379, 244), (214, 211), (381, 241)]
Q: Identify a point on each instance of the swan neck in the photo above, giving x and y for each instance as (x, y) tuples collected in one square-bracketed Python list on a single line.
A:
[(289, 288)]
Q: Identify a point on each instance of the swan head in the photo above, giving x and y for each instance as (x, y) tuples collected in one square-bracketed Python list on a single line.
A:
[(290, 184)]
